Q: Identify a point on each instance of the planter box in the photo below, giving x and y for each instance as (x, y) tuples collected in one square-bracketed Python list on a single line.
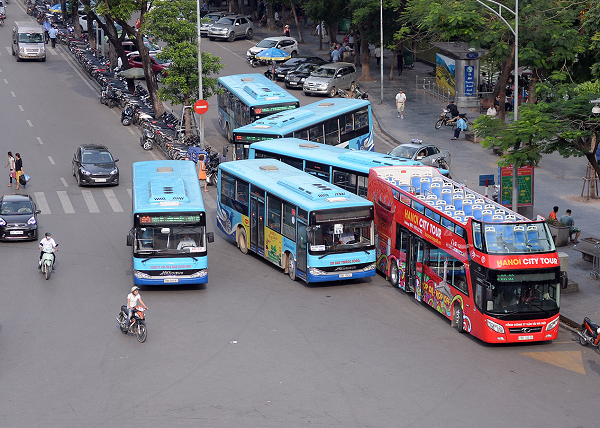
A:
[(560, 234)]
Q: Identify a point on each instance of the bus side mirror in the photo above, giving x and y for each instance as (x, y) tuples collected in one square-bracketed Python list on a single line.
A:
[(210, 237), (130, 239)]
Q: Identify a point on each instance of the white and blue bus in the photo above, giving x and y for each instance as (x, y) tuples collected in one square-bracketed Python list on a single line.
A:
[(168, 236), (245, 98), (311, 229), (348, 169), (342, 122)]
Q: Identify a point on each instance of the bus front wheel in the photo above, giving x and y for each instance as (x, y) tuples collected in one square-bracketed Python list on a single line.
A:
[(242, 241), (458, 318), (394, 276), (291, 265)]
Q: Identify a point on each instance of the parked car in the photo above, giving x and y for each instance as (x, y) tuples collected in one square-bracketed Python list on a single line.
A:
[(231, 28), (288, 44), (93, 165), (159, 66), (328, 78), (296, 78), (424, 153), (291, 64), (129, 47), (212, 18), (18, 217)]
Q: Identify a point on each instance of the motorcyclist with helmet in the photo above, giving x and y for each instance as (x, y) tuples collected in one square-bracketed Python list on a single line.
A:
[(453, 111), (132, 302), (47, 244)]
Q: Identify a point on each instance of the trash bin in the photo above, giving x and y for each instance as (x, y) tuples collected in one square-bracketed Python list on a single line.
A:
[(408, 58)]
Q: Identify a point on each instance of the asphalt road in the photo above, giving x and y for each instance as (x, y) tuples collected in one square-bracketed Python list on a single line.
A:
[(252, 348)]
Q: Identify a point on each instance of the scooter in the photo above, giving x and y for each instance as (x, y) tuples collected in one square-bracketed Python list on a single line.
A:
[(148, 138), (590, 334), (48, 262), (446, 119), (357, 94), (137, 323)]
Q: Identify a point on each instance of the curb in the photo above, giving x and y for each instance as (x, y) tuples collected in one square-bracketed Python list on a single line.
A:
[(382, 127)]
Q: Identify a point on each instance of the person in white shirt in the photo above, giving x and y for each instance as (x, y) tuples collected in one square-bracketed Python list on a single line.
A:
[(186, 242), (378, 55), (347, 236), (46, 244), (132, 301), (492, 111), (400, 100)]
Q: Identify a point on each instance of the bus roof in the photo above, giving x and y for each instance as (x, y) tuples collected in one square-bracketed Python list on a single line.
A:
[(355, 160), (288, 121), (166, 185), (254, 89), (305, 190)]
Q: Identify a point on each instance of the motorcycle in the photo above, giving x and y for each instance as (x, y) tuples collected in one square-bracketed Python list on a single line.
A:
[(148, 138), (137, 323), (47, 265), (446, 119), (440, 163), (212, 166), (357, 94), (108, 96), (590, 334)]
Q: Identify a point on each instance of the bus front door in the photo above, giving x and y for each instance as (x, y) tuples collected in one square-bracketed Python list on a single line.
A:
[(257, 224), (301, 244), (414, 256)]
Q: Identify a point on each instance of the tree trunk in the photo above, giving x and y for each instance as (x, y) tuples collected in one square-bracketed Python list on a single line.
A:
[(64, 11), (332, 30), (500, 88), (76, 25), (255, 16), (365, 75), (271, 17), (300, 38), (533, 81), (356, 35), (91, 32)]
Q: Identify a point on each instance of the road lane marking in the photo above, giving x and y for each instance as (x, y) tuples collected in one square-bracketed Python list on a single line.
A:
[(30, 124), (40, 140), (130, 193), (51, 160), (42, 204), (113, 201), (130, 130), (208, 200), (13, 94), (21, 107), (65, 201), (90, 201), (52, 51), (64, 182), (5, 81), (0, 70), (9, 50)]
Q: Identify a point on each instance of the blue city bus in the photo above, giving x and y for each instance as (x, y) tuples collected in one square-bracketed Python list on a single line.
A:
[(342, 122), (245, 98), (311, 229), (348, 169), (168, 236)]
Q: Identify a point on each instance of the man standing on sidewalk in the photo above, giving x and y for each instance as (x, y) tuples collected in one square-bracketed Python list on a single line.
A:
[(400, 100)]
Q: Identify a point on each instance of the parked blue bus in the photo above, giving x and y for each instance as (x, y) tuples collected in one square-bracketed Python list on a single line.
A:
[(245, 98), (311, 229), (348, 169), (339, 122), (169, 224)]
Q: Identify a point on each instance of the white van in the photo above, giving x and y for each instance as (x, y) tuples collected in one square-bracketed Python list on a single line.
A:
[(28, 41)]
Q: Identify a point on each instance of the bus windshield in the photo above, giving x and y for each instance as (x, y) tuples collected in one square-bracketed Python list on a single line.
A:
[(340, 236), (514, 238), (171, 241)]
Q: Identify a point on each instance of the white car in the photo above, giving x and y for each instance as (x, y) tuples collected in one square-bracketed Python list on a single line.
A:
[(288, 44)]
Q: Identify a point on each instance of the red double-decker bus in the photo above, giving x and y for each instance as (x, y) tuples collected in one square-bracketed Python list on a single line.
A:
[(491, 271)]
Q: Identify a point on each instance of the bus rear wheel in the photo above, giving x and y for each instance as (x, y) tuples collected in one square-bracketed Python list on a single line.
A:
[(394, 275), (243, 242), (291, 265), (458, 318)]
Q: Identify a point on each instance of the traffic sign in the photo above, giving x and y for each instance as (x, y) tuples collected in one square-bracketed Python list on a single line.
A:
[(201, 106)]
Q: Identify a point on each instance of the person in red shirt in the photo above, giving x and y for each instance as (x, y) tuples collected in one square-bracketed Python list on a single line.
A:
[(552, 215)]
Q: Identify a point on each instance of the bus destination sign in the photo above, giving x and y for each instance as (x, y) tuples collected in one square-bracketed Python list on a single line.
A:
[(274, 109), (168, 219)]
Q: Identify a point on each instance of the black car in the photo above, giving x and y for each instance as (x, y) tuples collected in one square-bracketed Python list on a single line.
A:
[(18, 217), (296, 78), (282, 69), (94, 165)]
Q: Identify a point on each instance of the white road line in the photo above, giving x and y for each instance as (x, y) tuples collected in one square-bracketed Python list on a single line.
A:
[(13, 94), (52, 51), (8, 49), (42, 204), (130, 193), (0, 70), (232, 52), (5, 81), (89, 201), (130, 130), (51, 160), (40, 140), (65, 201), (112, 200), (30, 124), (64, 182), (21, 107), (208, 200)]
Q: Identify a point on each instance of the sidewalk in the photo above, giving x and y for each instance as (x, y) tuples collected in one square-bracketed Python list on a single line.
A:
[(558, 181)]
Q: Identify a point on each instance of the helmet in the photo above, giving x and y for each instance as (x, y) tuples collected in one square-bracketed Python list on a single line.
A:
[(48, 234), (135, 287)]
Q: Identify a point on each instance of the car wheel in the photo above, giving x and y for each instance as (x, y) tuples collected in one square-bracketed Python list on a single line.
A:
[(212, 39), (73, 170), (231, 37), (307, 94), (78, 179), (159, 76), (332, 92), (249, 34), (294, 54)]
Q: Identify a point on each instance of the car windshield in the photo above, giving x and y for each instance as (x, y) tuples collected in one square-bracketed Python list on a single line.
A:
[(406, 152), (266, 43), (213, 17), (293, 62), (225, 21), (323, 72), (96, 156), (13, 207), (161, 61), (306, 68), (31, 38)]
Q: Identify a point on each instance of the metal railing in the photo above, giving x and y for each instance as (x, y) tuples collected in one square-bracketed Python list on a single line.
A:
[(596, 263), (430, 87)]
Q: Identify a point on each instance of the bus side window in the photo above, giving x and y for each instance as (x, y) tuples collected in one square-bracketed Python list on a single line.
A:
[(274, 213), (227, 190), (363, 184), (296, 163), (302, 135), (289, 221), (318, 170), (344, 179), (241, 194), (316, 133), (332, 132), (361, 119)]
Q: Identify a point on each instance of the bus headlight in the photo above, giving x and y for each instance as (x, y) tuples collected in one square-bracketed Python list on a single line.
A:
[(315, 271), (139, 274), (200, 274), (552, 324), (369, 267), (495, 326)]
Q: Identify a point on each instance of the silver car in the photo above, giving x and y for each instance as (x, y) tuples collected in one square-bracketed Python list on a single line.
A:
[(212, 18), (424, 153), (231, 28), (328, 78)]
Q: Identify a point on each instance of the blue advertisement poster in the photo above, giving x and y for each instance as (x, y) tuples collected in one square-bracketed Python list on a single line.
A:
[(469, 80)]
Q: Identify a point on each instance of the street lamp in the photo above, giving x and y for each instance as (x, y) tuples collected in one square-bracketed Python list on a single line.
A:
[(381, 47), (200, 94), (515, 31)]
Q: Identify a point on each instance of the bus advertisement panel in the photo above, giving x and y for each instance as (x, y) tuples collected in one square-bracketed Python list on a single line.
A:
[(168, 236), (491, 271), (245, 98), (309, 228), (342, 122)]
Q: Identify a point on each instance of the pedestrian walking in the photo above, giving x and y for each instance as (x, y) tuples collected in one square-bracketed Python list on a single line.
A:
[(461, 125), (18, 168), (400, 100), (552, 215), (400, 58), (46, 25), (11, 165), (335, 55), (137, 24), (378, 55), (286, 31), (351, 41), (202, 172), (52, 32), (567, 220)]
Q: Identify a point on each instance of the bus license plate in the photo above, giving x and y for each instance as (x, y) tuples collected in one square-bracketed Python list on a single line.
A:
[(171, 280), (16, 232), (100, 180), (526, 337), (345, 275)]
